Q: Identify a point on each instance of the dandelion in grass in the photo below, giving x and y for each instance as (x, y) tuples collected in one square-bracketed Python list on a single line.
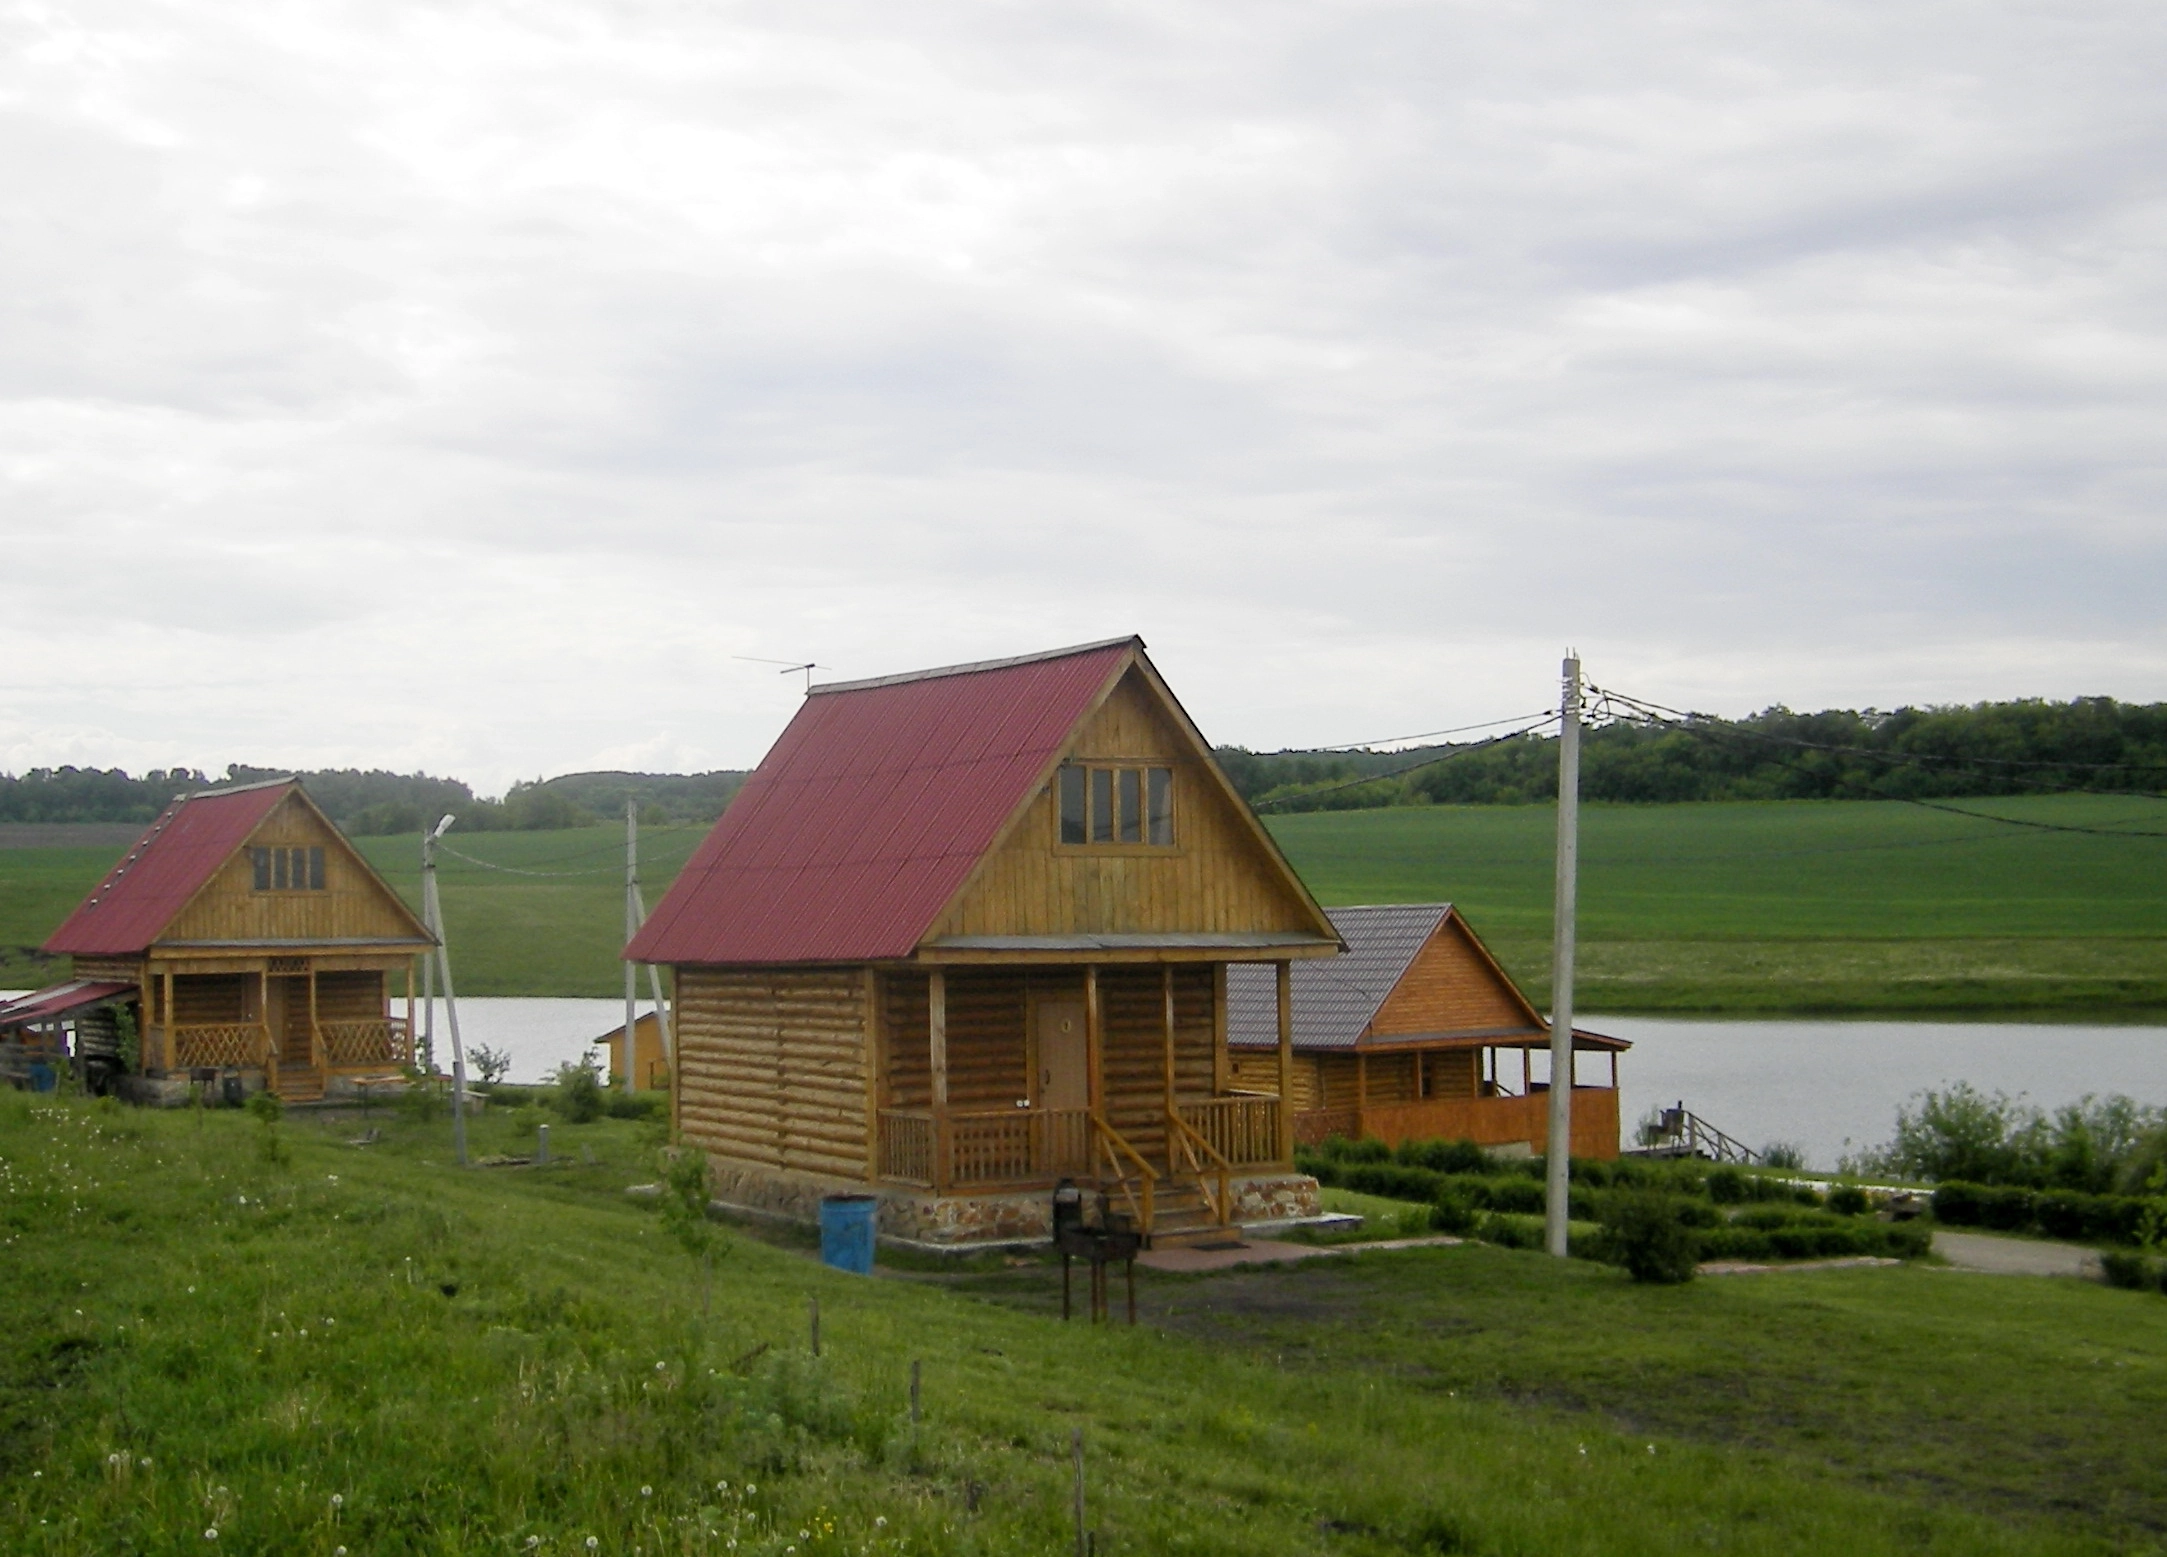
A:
[(210, 1533), (647, 1492), (337, 1502)]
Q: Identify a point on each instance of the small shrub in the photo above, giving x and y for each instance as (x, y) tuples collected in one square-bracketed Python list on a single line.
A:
[(1453, 1213), (1508, 1231), (2127, 1268), (636, 1105), (1957, 1203), (1444, 1156), (2005, 1207), (1726, 1185), (1848, 1200), (1788, 1155), (1645, 1235), (1518, 1194), (579, 1093), (491, 1065), (1391, 1180)]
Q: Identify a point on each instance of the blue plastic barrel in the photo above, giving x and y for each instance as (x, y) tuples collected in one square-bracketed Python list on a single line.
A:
[(42, 1077), (846, 1232)]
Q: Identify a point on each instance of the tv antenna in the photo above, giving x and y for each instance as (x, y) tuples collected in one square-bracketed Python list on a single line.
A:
[(789, 667)]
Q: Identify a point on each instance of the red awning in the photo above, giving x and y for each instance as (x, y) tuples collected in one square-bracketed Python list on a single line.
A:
[(57, 1000)]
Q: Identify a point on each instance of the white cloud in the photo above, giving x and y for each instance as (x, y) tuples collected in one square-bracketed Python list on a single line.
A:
[(464, 386)]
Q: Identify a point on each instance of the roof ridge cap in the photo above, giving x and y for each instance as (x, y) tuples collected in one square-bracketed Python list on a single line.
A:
[(972, 667), (237, 789)]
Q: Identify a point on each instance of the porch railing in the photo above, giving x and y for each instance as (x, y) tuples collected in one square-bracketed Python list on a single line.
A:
[(982, 1147), (1120, 1158), (220, 1043), (1243, 1129), (383, 1041)]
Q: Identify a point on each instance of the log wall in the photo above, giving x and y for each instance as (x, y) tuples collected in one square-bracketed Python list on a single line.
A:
[(772, 1067)]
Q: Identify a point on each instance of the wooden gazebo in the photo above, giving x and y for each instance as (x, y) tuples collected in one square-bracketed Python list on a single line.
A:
[(1418, 1033)]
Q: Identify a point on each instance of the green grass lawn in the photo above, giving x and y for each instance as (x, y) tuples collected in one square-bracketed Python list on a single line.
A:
[(363, 1348), (1778, 907)]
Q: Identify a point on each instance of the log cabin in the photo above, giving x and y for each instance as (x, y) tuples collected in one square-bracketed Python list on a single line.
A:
[(1410, 1036), (964, 934), (250, 940)]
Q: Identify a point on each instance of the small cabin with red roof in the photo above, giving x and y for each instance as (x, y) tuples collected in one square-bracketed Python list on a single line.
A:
[(249, 936), (966, 933), (1411, 1036)]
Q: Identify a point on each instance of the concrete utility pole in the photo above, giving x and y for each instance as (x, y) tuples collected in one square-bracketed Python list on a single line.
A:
[(632, 928), (432, 915), (1559, 1161)]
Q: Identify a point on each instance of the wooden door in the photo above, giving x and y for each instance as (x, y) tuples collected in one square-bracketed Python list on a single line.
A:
[(288, 1019), (1064, 1058)]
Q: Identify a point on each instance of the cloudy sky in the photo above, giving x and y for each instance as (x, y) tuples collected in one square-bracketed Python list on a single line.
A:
[(467, 386)]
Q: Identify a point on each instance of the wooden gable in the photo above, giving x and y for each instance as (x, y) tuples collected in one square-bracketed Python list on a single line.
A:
[(1221, 875), (355, 903), (1453, 985)]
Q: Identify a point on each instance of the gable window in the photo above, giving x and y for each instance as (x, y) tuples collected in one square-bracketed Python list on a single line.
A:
[(287, 870), (1116, 805)]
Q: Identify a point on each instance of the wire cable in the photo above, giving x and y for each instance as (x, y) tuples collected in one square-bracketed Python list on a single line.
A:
[(1413, 767)]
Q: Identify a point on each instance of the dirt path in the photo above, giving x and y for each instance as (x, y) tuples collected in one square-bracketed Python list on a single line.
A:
[(2014, 1256)]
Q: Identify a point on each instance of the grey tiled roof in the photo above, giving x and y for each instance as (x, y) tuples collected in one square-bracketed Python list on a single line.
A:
[(1334, 997)]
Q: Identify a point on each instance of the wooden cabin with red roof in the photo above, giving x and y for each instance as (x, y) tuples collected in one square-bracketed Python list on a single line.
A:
[(1411, 1036), (966, 933), (249, 936)]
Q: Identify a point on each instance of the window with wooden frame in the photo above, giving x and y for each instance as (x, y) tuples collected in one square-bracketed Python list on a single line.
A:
[(1115, 805), (287, 870)]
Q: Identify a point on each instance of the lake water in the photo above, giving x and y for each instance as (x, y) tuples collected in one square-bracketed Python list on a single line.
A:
[(1828, 1086), (1835, 1086), (538, 1034)]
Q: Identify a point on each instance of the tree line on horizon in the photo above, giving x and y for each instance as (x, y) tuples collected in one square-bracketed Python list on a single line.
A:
[(2021, 746), (375, 802)]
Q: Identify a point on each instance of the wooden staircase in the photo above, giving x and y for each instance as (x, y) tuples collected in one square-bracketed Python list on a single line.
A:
[(299, 1084), (1181, 1216)]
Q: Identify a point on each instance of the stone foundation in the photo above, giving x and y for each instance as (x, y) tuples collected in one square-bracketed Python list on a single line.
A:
[(915, 1216)]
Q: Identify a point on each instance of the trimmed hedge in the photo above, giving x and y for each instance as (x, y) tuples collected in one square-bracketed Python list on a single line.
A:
[(2125, 1268), (2058, 1213)]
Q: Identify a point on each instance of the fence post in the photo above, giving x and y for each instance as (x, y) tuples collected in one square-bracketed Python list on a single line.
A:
[(914, 1368), (812, 1314), (1075, 1448)]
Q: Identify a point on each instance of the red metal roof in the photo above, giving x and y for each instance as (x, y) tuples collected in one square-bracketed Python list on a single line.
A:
[(168, 866), (861, 824), (57, 1000)]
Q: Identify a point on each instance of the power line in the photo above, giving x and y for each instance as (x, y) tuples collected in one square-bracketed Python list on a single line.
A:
[(1412, 767), (1431, 735)]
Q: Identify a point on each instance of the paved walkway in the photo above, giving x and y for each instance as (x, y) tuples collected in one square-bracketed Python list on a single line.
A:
[(2014, 1256)]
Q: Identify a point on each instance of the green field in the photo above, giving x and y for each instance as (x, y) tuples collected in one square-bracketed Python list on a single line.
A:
[(1790, 906), (361, 1349), (1849, 907)]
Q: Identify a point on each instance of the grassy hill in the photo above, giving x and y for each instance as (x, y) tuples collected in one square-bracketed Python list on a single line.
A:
[(307, 1346), (1766, 907)]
